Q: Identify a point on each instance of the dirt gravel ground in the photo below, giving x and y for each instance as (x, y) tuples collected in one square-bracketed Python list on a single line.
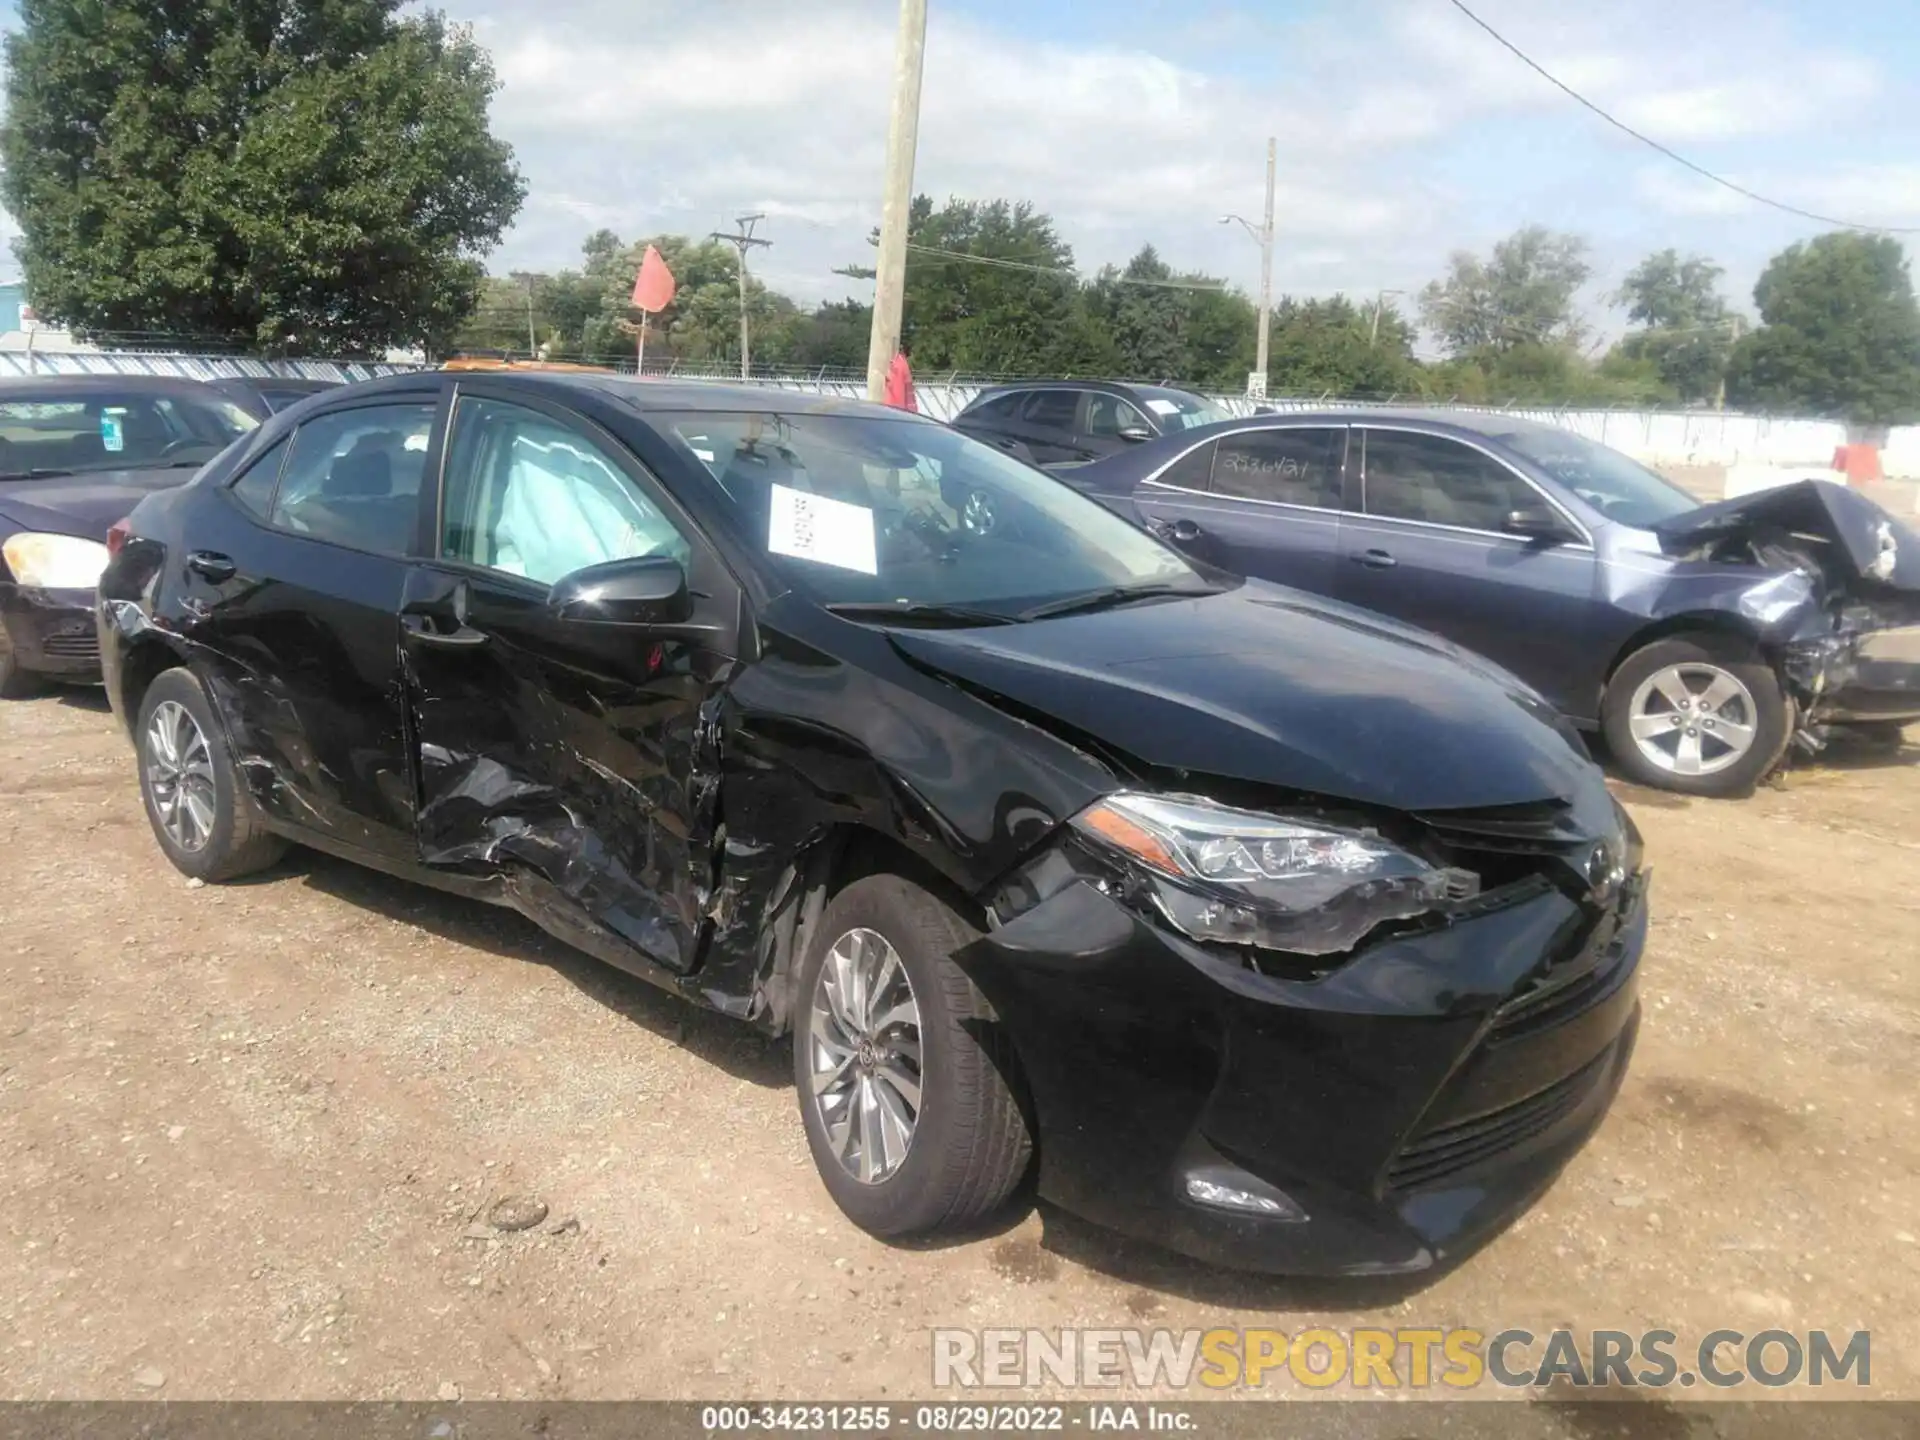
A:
[(249, 1136)]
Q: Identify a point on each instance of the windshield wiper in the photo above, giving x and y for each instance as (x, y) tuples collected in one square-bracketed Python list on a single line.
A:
[(1107, 598), (916, 610), (36, 474)]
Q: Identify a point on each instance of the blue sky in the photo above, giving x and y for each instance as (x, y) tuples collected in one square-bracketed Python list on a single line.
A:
[(1404, 132)]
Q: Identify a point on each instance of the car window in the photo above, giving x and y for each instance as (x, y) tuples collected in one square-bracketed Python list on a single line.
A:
[(353, 477), (1053, 409), (108, 430), (1289, 467), (1431, 478), (1108, 415), (858, 509), (1000, 407), (1192, 471), (1618, 487), (1180, 409), (530, 496), (254, 487)]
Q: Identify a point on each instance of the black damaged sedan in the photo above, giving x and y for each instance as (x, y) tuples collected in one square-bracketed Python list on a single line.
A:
[(1266, 929)]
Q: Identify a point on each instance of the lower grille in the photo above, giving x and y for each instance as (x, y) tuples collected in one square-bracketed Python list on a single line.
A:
[(75, 645), (1440, 1153)]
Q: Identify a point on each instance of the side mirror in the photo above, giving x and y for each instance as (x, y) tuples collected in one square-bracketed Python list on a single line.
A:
[(650, 590), (1134, 434), (1536, 522)]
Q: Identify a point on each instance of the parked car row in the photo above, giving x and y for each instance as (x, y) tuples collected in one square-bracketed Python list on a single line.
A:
[(1062, 837)]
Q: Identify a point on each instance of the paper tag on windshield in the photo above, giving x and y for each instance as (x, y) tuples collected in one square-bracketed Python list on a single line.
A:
[(113, 436), (827, 532), (1163, 407)]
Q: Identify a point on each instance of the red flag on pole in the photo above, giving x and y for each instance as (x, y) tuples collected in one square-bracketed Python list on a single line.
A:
[(653, 286)]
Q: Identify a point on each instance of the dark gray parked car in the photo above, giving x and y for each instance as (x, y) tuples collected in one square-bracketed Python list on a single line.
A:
[(1068, 422), (1700, 639)]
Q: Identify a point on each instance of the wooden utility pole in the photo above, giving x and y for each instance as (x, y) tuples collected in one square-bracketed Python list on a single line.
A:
[(743, 240), (890, 281)]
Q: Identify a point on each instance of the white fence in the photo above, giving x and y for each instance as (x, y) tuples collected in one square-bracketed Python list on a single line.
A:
[(1705, 438)]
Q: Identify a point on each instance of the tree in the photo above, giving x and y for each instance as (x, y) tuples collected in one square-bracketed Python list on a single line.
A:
[(1320, 347), (1686, 329), (1167, 326), (1520, 295), (1840, 333), (285, 175)]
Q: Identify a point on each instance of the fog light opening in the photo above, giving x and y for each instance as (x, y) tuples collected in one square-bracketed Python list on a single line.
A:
[(1220, 1187)]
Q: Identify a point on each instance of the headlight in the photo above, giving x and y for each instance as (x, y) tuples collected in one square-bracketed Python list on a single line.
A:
[(54, 562), (1241, 878)]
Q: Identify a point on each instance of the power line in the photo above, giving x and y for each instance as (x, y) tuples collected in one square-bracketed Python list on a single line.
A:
[(998, 262), (1671, 154)]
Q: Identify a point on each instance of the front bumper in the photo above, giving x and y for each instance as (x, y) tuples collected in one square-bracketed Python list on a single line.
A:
[(1874, 676), (1410, 1104), (51, 632)]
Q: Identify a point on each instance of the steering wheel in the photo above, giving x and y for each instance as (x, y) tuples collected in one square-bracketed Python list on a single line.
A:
[(186, 442)]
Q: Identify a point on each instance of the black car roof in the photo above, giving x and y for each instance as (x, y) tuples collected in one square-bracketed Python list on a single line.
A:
[(1105, 387), (1485, 424), (646, 396)]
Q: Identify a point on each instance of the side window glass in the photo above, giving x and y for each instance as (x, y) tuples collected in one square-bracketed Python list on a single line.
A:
[(1053, 409), (1291, 467), (1108, 415), (530, 496), (1440, 481), (254, 487), (1193, 470), (1003, 407), (353, 477)]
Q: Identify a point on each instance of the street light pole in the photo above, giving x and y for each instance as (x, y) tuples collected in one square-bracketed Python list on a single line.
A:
[(1379, 304), (1257, 382), (896, 207)]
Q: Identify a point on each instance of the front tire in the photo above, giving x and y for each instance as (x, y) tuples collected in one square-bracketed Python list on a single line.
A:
[(1699, 714), (205, 822), (906, 1083)]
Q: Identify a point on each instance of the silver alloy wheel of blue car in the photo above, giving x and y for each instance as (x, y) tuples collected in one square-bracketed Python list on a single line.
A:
[(179, 776), (1693, 719), (863, 1036)]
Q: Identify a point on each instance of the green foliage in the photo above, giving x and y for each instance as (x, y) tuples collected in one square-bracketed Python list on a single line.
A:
[(1521, 295), (1840, 333), (1329, 347), (1686, 332), (285, 175)]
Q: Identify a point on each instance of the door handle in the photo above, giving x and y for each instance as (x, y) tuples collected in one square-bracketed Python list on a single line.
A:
[(1374, 559), (211, 565), (427, 631)]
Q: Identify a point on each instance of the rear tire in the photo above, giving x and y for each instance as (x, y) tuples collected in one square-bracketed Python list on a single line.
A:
[(205, 821), (1700, 714), (925, 1045)]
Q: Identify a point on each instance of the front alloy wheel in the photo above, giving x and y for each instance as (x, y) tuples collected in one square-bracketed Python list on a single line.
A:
[(1693, 719), (907, 1082), (864, 1037)]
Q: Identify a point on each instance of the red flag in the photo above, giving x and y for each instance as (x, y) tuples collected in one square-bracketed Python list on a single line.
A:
[(653, 286)]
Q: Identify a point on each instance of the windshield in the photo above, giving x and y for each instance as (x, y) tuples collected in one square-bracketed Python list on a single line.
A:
[(1623, 490), (1180, 409), (101, 430), (865, 510)]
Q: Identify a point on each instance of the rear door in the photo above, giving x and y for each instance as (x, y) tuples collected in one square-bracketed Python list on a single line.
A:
[(1262, 502), (293, 585), (1429, 548), (576, 760)]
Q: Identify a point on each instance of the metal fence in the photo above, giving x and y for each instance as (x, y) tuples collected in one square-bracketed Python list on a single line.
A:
[(1668, 438)]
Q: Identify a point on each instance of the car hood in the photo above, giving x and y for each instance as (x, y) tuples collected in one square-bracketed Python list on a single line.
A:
[(1870, 545), (1273, 686), (85, 505)]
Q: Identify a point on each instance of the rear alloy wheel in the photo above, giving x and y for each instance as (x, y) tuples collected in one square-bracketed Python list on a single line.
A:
[(906, 1084), (1699, 714), (205, 823)]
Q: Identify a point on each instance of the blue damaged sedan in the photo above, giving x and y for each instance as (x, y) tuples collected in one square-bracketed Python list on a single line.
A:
[(1702, 640)]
